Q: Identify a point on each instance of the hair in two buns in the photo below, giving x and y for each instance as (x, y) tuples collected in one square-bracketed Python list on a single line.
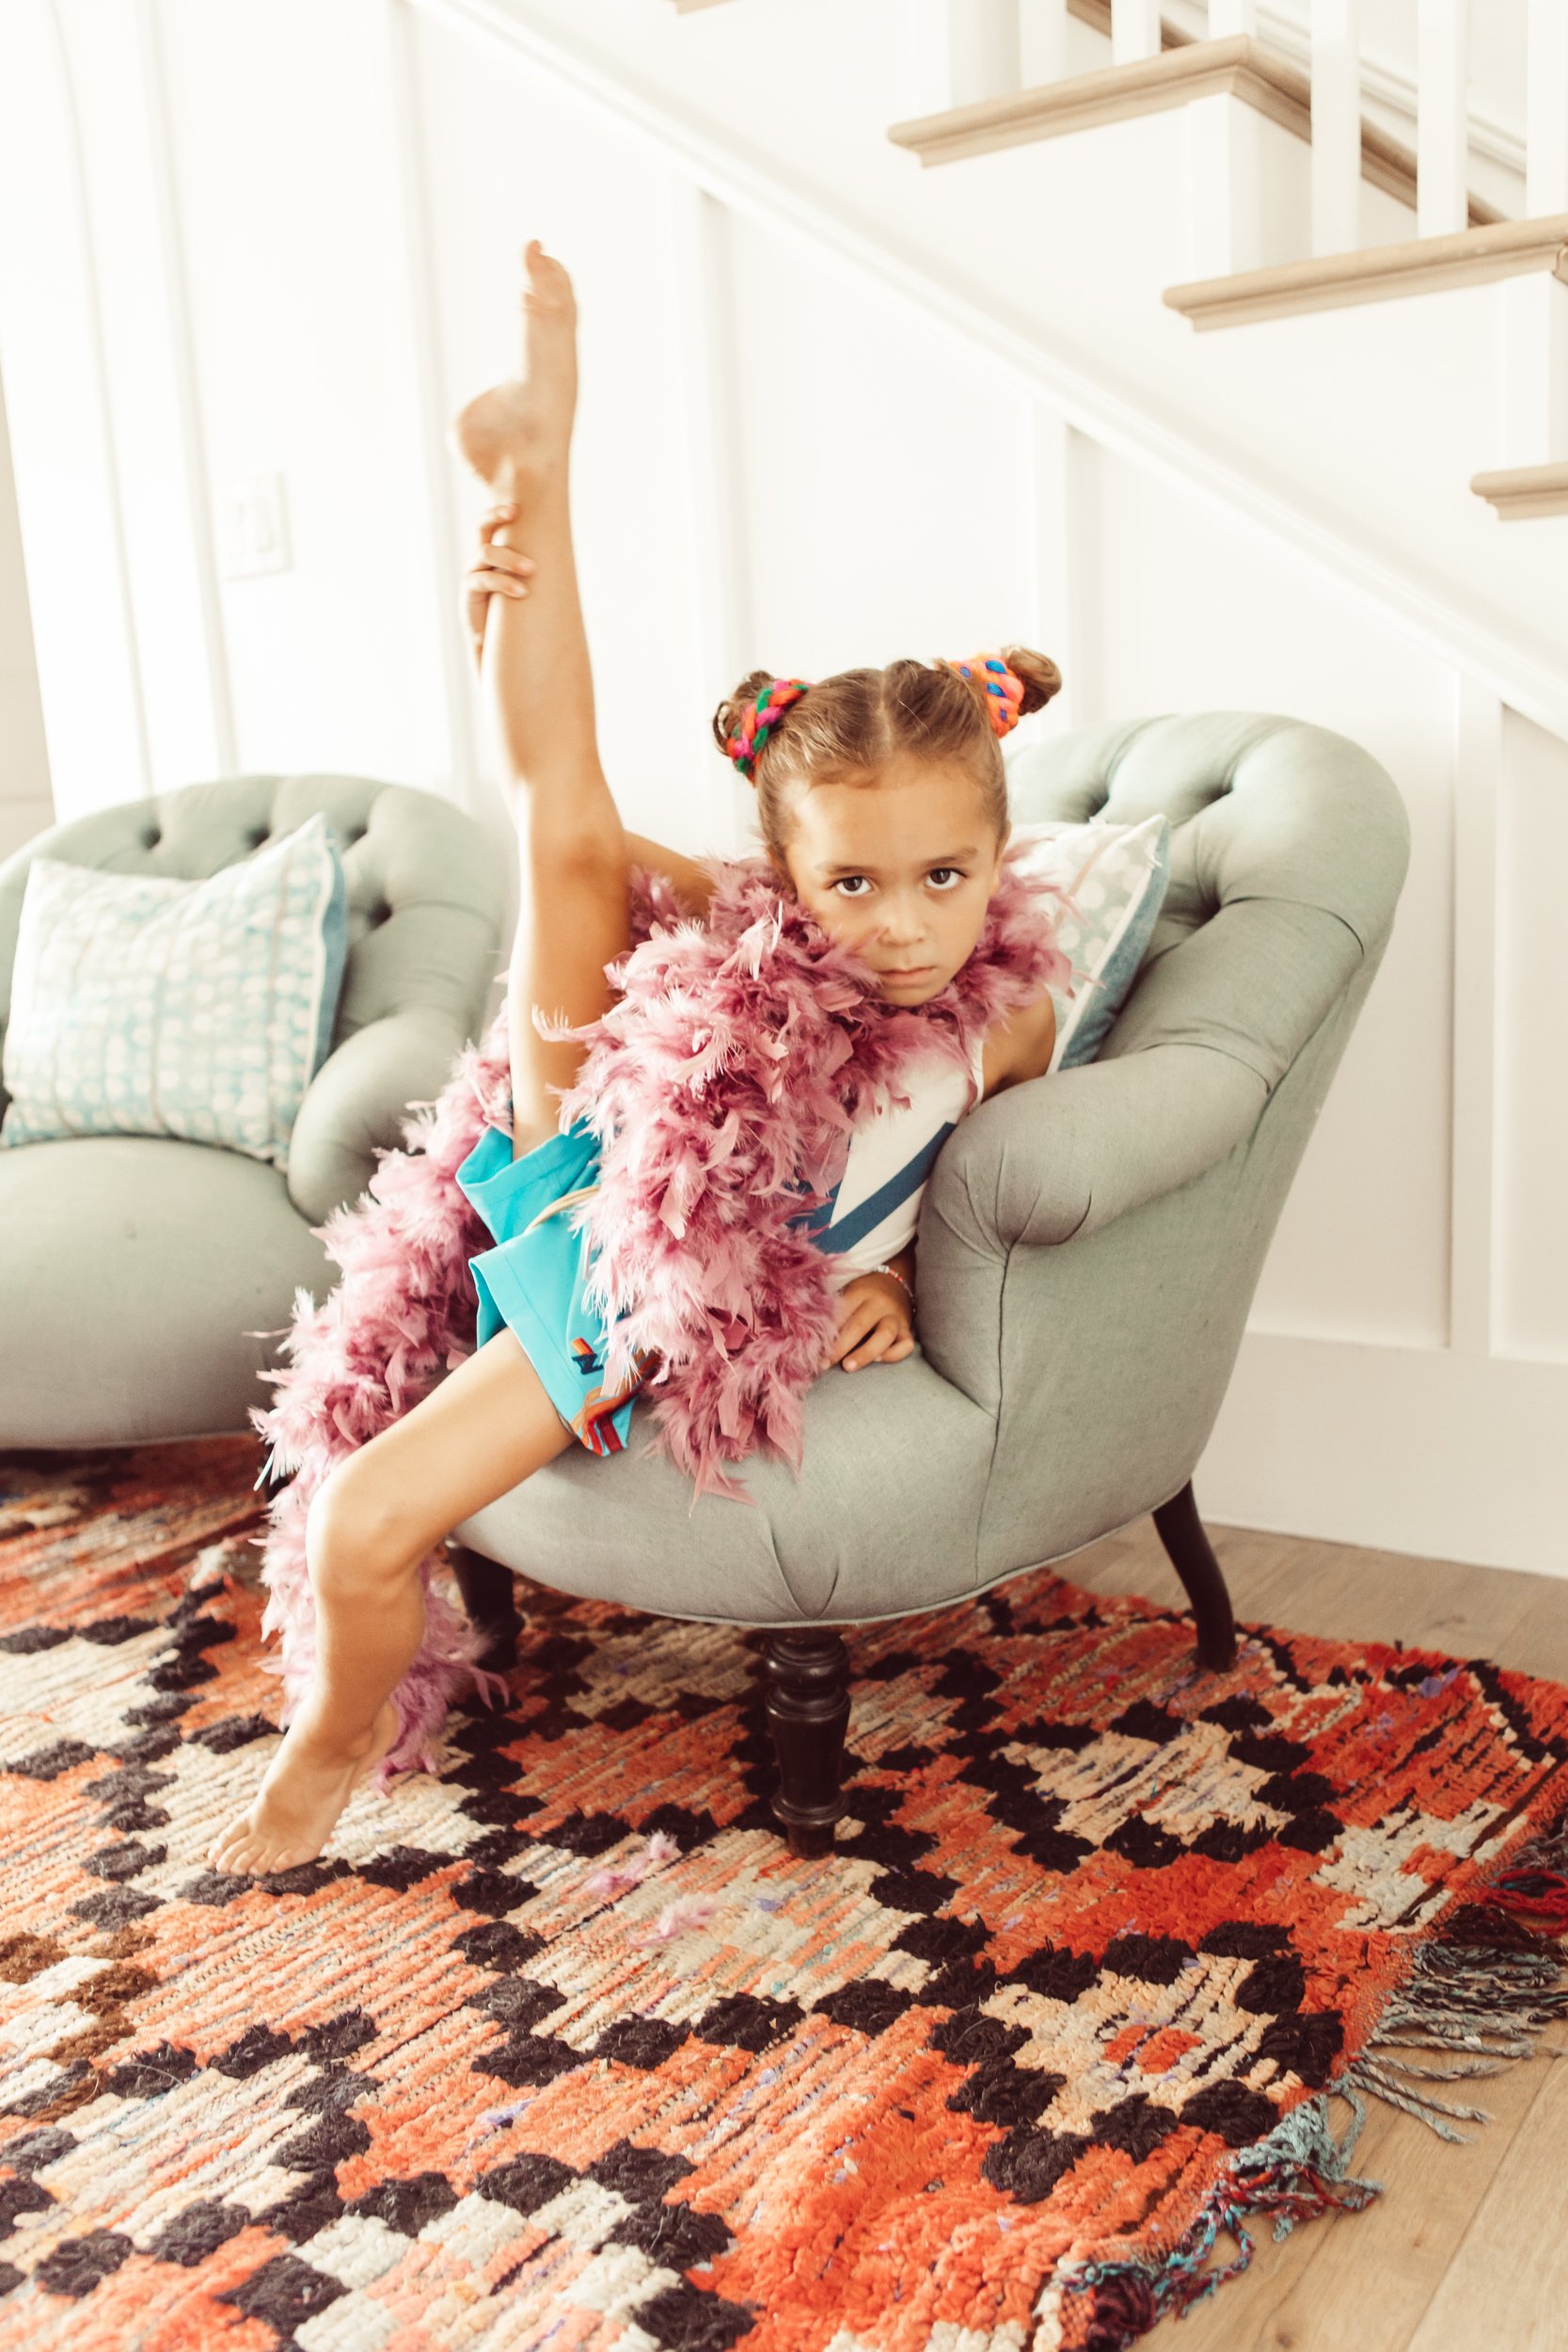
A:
[(844, 728)]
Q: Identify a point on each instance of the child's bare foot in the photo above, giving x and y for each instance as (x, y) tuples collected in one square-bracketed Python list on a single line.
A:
[(306, 1786), (523, 427)]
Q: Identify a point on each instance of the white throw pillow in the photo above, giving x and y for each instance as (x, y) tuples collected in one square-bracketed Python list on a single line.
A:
[(1117, 876), (145, 1006)]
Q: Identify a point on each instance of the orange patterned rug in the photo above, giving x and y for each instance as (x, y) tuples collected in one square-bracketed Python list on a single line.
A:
[(561, 2048)]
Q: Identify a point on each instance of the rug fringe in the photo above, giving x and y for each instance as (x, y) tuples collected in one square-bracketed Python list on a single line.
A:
[(1480, 1989)]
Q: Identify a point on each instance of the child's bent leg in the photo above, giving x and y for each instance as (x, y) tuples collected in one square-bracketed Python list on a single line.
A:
[(486, 1428), (539, 684)]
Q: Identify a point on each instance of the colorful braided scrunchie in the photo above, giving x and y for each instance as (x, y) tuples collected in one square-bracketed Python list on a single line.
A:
[(1004, 689), (757, 724)]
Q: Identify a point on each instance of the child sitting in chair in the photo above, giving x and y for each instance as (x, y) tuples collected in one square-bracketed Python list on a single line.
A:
[(881, 800)]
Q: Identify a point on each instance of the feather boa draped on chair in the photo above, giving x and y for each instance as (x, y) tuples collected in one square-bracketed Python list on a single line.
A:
[(721, 1084)]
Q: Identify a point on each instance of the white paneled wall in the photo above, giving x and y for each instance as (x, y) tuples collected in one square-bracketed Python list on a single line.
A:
[(1530, 1311), (510, 157), (26, 805), (283, 128), (783, 459), (1191, 613)]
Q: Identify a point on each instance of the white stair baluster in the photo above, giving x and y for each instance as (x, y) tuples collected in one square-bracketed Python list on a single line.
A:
[(1336, 126), (1229, 17), (1546, 109), (1042, 42), (1134, 30), (1442, 118)]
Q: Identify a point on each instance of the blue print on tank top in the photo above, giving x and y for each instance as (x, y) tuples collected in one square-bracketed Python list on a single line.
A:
[(818, 1226)]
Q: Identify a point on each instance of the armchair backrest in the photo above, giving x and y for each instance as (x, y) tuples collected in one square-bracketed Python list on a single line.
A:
[(425, 915), (1160, 1168), (1289, 849)]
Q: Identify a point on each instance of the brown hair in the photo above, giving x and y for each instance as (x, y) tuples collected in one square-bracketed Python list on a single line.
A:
[(844, 727)]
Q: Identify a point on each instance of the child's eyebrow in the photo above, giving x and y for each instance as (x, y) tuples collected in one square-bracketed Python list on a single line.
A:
[(953, 857)]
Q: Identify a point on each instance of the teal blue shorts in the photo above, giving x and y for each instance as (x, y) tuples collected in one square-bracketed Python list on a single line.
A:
[(532, 1281)]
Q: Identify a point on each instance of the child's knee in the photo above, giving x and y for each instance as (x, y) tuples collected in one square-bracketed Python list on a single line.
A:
[(356, 1539)]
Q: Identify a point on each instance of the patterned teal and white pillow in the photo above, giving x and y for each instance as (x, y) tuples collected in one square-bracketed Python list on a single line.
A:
[(143, 1006), (1117, 875)]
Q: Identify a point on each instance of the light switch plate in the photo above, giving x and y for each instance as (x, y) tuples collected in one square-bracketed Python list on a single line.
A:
[(252, 528)]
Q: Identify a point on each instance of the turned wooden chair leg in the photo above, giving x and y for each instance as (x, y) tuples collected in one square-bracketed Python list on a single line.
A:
[(1181, 1533), (807, 1674), (489, 1596)]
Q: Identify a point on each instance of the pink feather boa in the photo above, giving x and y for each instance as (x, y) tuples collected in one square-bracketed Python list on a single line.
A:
[(738, 1056)]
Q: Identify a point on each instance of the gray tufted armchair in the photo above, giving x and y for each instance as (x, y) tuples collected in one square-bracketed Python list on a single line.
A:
[(134, 1269), (1089, 1244)]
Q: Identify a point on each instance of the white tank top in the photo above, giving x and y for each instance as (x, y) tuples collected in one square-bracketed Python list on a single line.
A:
[(875, 1207)]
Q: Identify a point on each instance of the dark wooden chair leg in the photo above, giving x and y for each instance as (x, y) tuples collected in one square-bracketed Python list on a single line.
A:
[(807, 1674), (489, 1596), (1181, 1533)]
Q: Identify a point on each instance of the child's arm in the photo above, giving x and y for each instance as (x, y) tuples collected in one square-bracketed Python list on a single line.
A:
[(1020, 1047), (691, 882)]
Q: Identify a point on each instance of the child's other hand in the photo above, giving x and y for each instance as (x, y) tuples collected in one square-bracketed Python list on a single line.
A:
[(498, 571), (874, 1322)]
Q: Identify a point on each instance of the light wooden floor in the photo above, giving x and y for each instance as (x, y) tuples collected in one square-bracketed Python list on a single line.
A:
[(1465, 2250)]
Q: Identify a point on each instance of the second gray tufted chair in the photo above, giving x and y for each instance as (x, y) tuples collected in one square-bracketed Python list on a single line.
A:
[(134, 1270)]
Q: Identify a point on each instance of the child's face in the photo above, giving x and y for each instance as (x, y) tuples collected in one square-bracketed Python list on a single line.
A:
[(901, 871)]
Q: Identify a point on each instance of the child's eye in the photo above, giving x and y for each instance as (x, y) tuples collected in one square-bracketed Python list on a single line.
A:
[(957, 871), (844, 878)]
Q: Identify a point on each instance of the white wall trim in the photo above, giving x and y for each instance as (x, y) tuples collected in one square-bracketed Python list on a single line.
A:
[(1472, 1186), (77, 169), (1534, 685), (711, 474), (458, 685), (193, 440)]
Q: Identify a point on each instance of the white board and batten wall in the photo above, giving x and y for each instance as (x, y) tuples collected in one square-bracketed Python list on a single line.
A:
[(315, 219)]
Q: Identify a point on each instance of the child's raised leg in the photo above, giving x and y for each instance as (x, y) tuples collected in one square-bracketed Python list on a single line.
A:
[(539, 684), (488, 1425)]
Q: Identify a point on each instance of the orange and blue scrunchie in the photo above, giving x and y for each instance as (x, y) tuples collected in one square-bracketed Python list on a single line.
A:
[(1004, 689)]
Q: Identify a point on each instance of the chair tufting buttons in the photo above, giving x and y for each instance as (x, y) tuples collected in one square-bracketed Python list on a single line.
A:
[(150, 840)]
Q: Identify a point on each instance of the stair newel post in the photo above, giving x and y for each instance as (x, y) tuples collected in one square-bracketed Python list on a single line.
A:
[(1043, 43), (1533, 419), (1336, 126), (1227, 17), (958, 53), (1442, 118)]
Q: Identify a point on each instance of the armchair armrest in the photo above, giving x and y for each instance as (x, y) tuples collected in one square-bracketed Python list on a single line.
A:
[(358, 1101), (1062, 1155), (1053, 1158)]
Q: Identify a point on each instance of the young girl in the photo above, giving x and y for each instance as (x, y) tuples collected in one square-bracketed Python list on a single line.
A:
[(882, 805)]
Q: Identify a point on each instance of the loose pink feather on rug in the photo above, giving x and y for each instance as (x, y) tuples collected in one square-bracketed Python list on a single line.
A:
[(722, 1086)]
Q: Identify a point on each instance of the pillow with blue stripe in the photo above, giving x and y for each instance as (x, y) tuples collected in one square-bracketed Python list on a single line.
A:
[(145, 1006), (1117, 876)]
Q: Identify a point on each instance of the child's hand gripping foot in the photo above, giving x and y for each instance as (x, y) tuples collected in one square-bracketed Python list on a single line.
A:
[(305, 1787), (522, 428), (496, 570)]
